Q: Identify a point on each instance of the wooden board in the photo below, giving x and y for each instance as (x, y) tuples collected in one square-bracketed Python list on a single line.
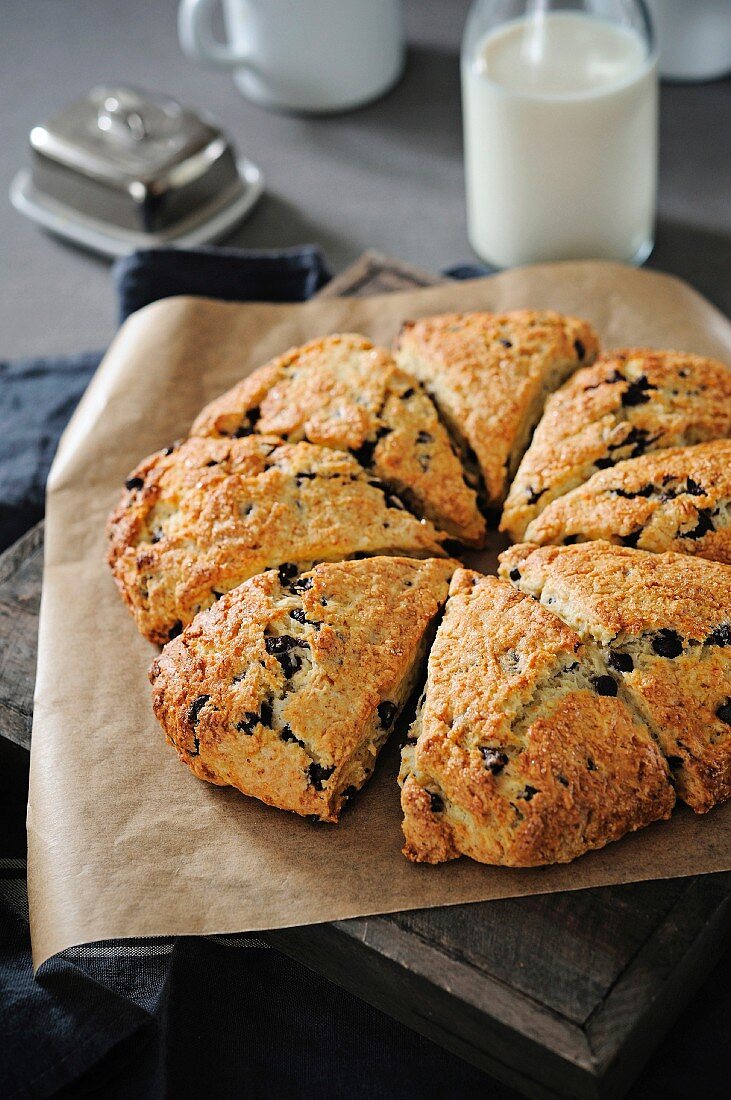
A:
[(557, 995)]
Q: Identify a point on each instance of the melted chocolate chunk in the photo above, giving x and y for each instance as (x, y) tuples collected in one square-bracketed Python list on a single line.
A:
[(637, 392), (675, 762), (605, 685), (436, 804), (249, 722), (533, 495), (248, 423), (298, 615), (720, 636), (509, 343), (603, 463), (195, 708), (645, 491), (175, 630), (591, 765), (632, 538), (562, 780), (303, 584), (622, 662), (407, 394), (693, 489), (286, 571), (280, 646), (134, 483), (724, 712), (318, 775), (570, 540), (299, 478), (265, 713), (285, 734), (386, 714), (364, 454), (528, 793), (493, 759), (580, 350), (703, 526), (667, 643), (425, 437), (514, 574)]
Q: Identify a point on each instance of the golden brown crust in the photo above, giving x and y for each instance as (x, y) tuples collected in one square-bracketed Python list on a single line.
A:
[(678, 499), (202, 519), (287, 689), (340, 391), (664, 621), (522, 756), (489, 374), (629, 403)]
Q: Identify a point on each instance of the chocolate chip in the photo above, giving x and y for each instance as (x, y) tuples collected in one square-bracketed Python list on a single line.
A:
[(533, 495), (134, 483), (319, 775), (249, 722), (242, 431), (514, 574), (675, 762), (622, 662), (280, 646), (693, 489), (509, 344), (667, 643), (304, 584), (724, 712), (297, 614), (720, 636), (603, 463), (248, 423), (436, 804), (425, 437), (386, 714), (323, 601), (265, 713), (407, 394), (703, 526), (605, 685), (175, 630), (493, 759), (286, 571), (299, 478), (632, 538), (570, 540), (562, 780), (528, 793), (637, 392), (285, 734), (195, 708), (580, 350), (645, 491), (590, 764), (156, 535)]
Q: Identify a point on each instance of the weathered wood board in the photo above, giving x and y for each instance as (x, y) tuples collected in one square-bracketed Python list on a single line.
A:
[(558, 995)]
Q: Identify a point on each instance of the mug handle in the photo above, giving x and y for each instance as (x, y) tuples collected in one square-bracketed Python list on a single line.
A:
[(197, 39)]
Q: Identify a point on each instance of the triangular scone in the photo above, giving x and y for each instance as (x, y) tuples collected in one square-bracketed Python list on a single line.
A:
[(489, 374), (197, 521), (629, 403), (677, 499), (341, 391), (523, 751), (664, 623), (288, 687)]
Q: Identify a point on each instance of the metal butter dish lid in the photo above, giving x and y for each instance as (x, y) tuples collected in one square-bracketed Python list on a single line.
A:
[(122, 169)]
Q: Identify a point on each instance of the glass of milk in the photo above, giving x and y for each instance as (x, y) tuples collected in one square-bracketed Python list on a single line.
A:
[(560, 130)]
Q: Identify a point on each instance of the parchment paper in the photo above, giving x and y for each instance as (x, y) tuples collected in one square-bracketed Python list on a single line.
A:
[(123, 839)]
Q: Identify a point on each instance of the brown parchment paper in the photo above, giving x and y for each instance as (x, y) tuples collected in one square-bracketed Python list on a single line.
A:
[(123, 840)]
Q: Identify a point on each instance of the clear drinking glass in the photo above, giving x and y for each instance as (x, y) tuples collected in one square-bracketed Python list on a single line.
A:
[(559, 100)]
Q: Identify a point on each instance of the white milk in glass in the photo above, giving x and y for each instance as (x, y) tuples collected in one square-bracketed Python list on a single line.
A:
[(560, 116)]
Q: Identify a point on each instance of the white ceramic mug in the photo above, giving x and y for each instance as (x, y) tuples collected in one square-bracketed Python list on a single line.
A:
[(301, 55)]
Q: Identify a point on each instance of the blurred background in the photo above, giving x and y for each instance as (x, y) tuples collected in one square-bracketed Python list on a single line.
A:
[(388, 176)]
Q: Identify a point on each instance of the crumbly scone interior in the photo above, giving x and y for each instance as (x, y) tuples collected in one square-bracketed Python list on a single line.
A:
[(502, 774), (579, 435), (678, 684)]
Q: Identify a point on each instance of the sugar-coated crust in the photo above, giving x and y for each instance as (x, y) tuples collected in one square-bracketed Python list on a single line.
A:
[(340, 391), (287, 687), (664, 621), (629, 403), (489, 374), (518, 755), (201, 519), (677, 499)]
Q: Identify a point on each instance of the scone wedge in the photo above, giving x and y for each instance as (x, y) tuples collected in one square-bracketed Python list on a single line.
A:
[(630, 403), (676, 499), (341, 391), (288, 687), (489, 374), (523, 752), (200, 520), (663, 622)]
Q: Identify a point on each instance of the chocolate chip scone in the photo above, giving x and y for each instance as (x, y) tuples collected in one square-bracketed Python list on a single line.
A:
[(196, 521), (340, 391), (523, 752), (629, 403), (664, 623), (489, 374), (287, 688), (678, 499)]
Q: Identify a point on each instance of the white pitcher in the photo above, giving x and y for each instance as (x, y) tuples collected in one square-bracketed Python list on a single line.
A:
[(313, 56)]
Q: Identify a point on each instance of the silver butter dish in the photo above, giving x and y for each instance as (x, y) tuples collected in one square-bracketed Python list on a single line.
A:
[(122, 169)]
